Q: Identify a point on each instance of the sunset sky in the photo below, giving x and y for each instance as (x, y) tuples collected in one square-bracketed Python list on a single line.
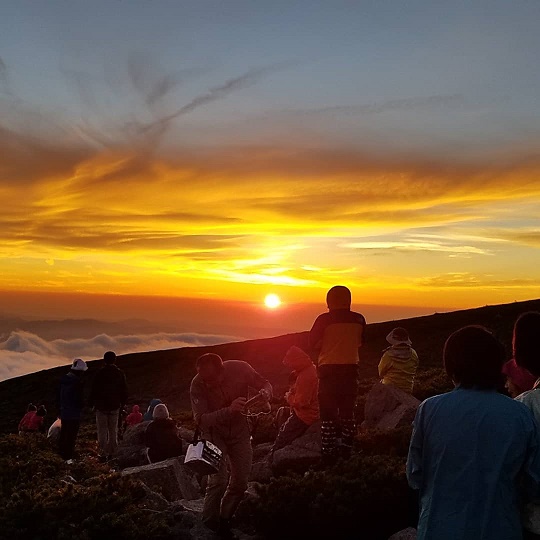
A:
[(220, 151)]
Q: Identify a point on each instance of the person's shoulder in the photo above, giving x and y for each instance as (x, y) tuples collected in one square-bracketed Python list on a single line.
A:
[(359, 317), (530, 396), (236, 365), (196, 382)]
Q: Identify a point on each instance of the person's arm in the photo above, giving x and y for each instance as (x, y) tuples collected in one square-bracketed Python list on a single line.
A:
[(416, 448), (531, 468), (316, 334), (258, 382), (384, 365), (303, 395), (123, 391), (205, 418)]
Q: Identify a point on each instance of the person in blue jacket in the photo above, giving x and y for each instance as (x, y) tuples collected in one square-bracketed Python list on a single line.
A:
[(474, 454), (71, 405)]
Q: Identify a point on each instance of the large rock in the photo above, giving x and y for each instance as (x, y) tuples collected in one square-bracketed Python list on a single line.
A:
[(406, 534), (169, 477), (302, 453), (388, 407), (261, 471)]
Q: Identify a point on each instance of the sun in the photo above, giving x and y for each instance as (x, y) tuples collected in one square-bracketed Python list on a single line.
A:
[(272, 301)]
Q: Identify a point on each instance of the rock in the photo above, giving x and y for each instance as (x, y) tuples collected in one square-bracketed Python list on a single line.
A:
[(134, 435), (170, 477), (302, 453), (261, 451), (406, 534), (154, 500), (131, 456), (388, 407), (261, 471), (186, 434)]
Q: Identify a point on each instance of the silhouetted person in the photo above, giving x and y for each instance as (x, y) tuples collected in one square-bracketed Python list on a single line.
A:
[(301, 397), (474, 453), (71, 405), (218, 396), (108, 395), (399, 362), (527, 356), (336, 336), (161, 436)]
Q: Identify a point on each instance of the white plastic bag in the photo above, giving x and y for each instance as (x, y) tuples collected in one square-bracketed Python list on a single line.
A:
[(54, 431)]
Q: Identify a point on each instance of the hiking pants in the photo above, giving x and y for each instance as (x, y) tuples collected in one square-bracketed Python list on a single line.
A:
[(338, 388), (291, 429), (68, 435), (225, 489), (107, 431)]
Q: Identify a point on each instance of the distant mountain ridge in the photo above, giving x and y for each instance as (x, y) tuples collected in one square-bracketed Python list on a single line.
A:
[(167, 374)]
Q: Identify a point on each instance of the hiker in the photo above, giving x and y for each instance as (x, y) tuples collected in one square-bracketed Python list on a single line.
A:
[(336, 337), (301, 397), (474, 453), (161, 436), (518, 379), (71, 406), (399, 362), (108, 395), (218, 396), (30, 422), (148, 415), (134, 417), (525, 350)]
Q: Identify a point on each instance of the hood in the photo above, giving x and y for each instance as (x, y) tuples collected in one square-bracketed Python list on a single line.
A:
[(338, 297), (135, 409), (400, 352), (296, 359), (153, 403)]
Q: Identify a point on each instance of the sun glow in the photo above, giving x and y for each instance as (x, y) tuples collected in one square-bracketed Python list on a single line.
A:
[(272, 301)]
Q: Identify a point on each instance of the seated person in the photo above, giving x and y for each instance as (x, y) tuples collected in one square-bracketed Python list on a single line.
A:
[(31, 422), (302, 398), (134, 417), (518, 379), (161, 436), (399, 362)]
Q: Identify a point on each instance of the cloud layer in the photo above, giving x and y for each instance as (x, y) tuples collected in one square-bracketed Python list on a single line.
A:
[(23, 352)]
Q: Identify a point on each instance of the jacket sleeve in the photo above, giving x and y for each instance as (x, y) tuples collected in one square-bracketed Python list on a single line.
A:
[(414, 459), (202, 416), (384, 365), (304, 391), (316, 334), (123, 390), (531, 468)]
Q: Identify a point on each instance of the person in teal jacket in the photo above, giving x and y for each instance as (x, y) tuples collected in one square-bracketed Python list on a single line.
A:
[(474, 454)]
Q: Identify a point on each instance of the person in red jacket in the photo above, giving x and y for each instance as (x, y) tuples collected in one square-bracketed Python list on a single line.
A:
[(134, 417), (302, 398), (31, 422)]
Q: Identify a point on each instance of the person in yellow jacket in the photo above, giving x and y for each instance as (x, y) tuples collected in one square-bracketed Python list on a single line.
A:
[(302, 398), (399, 362)]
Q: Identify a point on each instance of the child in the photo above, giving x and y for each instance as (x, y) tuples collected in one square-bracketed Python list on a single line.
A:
[(134, 417), (399, 362)]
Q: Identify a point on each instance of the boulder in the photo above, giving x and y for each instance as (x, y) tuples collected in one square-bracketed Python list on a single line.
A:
[(169, 477), (302, 453), (388, 407), (261, 451), (134, 435), (406, 534), (261, 471)]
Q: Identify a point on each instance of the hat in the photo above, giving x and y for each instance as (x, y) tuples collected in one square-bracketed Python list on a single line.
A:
[(160, 411), (79, 365), (522, 378), (398, 336)]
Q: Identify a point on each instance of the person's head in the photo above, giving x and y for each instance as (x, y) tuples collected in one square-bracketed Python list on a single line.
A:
[(31, 407), (398, 336), (295, 358), (525, 341), (338, 297), (109, 357), (160, 412), (473, 357), (135, 409), (78, 366), (518, 379), (41, 410), (210, 368)]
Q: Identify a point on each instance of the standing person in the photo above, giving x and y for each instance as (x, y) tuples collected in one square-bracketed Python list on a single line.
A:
[(474, 453), (399, 362), (71, 405), (301, 397), (218, 396), (108, 395), (336, 336), (527, 357)]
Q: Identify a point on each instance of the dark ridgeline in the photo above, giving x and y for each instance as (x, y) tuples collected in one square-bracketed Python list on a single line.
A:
[(168, 373)]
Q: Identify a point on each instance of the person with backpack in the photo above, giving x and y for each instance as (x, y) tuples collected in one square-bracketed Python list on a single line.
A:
[(108, 395)]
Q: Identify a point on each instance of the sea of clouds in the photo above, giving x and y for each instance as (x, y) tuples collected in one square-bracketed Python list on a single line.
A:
[(24, 352)]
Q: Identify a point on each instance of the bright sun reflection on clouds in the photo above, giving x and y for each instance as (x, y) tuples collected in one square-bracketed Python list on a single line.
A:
[(272, 301)]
